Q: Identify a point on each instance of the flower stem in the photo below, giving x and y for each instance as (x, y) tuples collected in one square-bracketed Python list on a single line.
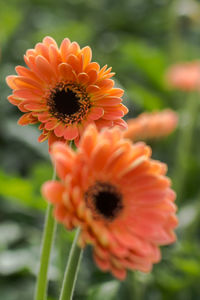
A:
[(47, 242), (190, 114), (174, 43), (71, 270)]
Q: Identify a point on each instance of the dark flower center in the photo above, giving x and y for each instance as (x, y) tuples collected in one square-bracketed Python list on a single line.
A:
[(69, 103), (66, 102), (104, 199)]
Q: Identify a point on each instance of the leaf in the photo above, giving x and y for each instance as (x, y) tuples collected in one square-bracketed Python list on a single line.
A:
[(106, 291), (14, 261), (147, 99), (27, 135), (10, 232), (76, 31), (151, 61), (191, 266), (10, 17), (187, 215), (20, 190)]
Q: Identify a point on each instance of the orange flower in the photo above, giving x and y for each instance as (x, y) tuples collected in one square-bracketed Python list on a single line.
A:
[(117, 195), (184, 76), (64, 91), (151, 125)]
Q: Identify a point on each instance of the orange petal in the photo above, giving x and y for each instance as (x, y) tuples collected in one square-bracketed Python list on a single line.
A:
[(89, 139), (96, 113), (93, 89), (92, 66), (24, 82), (63, 156), (64, 49), (49, 41), (25, 119), (106, 84), (59, 130), (51, 124), (22, 71), (66, 72), (30, 62), (101, 123), (44, 68), (35, 107), (70, 133), (83, 78), (10, 80), (116, 92), (42, 49), (74, 48), (112, 115), (53, 191), (14, 101), (54, 57), (43, 137), (121, 123), (92, 76), (119, 273), (75, 63), (104, 265), (100, 156), (87, 56), (123, 108), (109, 101), (44, 116)]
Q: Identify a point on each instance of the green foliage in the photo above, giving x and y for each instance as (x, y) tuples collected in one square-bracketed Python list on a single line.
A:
[(73, 30), (145, 98), (107, 290), (10, 18), (24, 191), (19, 189), (148, 60)]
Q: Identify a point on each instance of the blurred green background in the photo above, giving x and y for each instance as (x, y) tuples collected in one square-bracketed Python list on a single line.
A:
[(139, 39)]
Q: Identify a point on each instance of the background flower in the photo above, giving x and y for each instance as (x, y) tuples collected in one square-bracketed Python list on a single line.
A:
[(64, 91), (152, 125), (119, 197), (184, 76)]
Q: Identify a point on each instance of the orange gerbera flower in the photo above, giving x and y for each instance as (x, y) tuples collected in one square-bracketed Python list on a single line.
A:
[(151, 125), (65, 91), (184, 76), (117, 195)]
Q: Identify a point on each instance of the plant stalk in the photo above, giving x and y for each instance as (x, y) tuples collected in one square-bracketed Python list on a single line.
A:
[(189, 115), (71, 270), (47, 243)]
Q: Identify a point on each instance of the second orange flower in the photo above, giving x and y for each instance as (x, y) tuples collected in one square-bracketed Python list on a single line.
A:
[(118, 196)]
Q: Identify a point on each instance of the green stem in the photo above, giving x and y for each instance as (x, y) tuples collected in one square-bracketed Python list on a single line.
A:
[(47, 242), (174, 43), (190, 114), (71, 270)]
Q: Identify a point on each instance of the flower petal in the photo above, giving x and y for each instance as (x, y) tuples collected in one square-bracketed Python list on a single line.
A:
[(70, 132), (53, 191), (66, 72), (96, 113)]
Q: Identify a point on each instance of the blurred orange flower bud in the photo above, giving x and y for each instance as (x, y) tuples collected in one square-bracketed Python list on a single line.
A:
[(151, 125), (184, 76)]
